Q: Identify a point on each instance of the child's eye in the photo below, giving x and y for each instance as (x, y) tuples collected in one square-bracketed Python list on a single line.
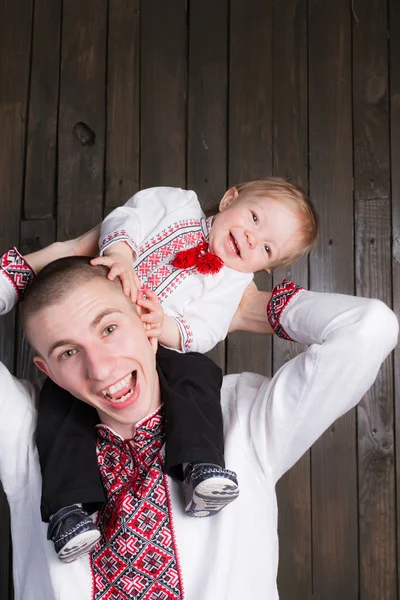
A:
[(267, 249), (255, 218), (68, 353), (109, 329)]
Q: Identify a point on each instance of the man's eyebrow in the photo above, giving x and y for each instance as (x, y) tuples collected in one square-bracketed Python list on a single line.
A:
[(104, 313), (58, 344), (93, 325)]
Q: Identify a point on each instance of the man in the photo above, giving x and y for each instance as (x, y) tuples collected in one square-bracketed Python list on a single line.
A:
[(87, 337)]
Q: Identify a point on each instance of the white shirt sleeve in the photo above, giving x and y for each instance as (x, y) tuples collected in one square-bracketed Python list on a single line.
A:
[(17, 398), (205, 322), (15, 275), (349, 338), (134, 221)]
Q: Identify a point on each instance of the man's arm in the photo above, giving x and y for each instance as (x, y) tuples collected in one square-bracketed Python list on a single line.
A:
[(17, 398), (250, 314), (348, 340)]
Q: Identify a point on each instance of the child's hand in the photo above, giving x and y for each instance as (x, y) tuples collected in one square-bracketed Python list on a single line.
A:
[(153, 314), (121, 266)]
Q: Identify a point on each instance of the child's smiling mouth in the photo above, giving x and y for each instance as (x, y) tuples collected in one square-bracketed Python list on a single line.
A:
[(233, 245)]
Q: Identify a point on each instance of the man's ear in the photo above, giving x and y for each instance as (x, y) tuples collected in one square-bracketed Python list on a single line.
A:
[(229, 196), (42, 366)]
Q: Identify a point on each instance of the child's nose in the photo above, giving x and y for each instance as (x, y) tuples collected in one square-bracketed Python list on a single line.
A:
[(250, 239)]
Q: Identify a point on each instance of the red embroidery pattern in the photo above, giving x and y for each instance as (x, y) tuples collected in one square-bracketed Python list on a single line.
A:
[(17, 271), (154, 265), (186, 333), (117, 236), (281, 296), (139, 560)]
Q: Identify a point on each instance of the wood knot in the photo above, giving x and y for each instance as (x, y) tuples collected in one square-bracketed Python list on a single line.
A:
[(386, 444), (84, 134)]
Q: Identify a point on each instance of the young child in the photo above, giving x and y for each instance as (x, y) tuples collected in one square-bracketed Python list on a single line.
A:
[(194, 271)]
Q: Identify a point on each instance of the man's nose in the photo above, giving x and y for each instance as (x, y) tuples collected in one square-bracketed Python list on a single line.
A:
[(100, 362)]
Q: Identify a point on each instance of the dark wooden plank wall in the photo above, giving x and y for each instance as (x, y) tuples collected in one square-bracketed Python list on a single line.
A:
[(100, 98)]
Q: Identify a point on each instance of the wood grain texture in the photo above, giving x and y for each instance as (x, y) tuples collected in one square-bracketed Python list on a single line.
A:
[(394, 76), (207, 109), (163, 93), (290, 160), (334, 465), (204, 94), (376, 470), (250, 140), (123, 107), (40, 172), (81, 117), (15, 34)]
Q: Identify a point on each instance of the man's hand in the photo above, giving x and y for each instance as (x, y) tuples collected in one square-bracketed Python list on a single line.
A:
[(119, 259), (152, 313), (251, 314)]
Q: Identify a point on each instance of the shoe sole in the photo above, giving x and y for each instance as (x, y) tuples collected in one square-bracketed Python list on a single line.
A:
[(79, 546), (212, 495)]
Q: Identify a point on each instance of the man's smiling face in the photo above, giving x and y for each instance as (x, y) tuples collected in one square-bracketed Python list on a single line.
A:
[(93, 344)]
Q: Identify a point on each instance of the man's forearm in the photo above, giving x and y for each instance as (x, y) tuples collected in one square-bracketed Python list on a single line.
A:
[(251, 313), (39, 259), (84, 245)]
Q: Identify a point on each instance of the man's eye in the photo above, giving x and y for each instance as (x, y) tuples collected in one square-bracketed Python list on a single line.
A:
[(68, 353), (109, 329), (255, 218), (267, 249)]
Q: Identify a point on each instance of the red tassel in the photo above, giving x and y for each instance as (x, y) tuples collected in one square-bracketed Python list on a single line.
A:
[(186, 259), (209, 264), (200, 257)]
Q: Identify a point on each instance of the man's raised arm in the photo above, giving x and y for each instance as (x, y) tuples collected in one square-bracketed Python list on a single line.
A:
[(348, 339), (17, 398)]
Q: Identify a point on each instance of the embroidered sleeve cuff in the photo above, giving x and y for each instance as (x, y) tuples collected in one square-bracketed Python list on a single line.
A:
[(281, 296), (186, 334), (118, 236), (17, 271)]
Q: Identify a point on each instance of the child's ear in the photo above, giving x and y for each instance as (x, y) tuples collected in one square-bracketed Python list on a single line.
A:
[(229, 196)]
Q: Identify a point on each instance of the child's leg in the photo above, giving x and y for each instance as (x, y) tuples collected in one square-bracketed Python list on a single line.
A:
[(66, 441), (191, 387)]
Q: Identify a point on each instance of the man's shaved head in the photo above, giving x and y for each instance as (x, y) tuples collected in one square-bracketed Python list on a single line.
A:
[(59, 279)]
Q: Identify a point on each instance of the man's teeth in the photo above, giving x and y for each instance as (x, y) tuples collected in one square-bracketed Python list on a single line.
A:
[(122, 399), (129, 380)]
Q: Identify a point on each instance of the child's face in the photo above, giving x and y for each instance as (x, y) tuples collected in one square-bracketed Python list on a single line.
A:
[(250, 233)]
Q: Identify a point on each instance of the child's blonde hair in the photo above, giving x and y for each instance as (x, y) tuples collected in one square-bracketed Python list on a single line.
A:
[(294, 197)]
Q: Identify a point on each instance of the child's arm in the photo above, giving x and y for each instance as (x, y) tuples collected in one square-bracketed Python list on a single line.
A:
[(138, 218), (159, 325), (205, 321)]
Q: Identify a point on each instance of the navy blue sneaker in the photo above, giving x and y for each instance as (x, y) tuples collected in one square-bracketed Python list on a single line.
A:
[(208, 488), (73, 533)]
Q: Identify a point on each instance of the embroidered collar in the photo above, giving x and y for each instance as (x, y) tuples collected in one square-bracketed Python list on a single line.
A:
[(147, 429)]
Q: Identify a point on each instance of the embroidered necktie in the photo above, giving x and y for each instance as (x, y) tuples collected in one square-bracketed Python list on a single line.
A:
[(200, 258)]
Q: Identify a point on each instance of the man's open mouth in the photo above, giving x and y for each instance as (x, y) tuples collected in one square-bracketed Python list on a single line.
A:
[(120, 391), (234, 245)]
